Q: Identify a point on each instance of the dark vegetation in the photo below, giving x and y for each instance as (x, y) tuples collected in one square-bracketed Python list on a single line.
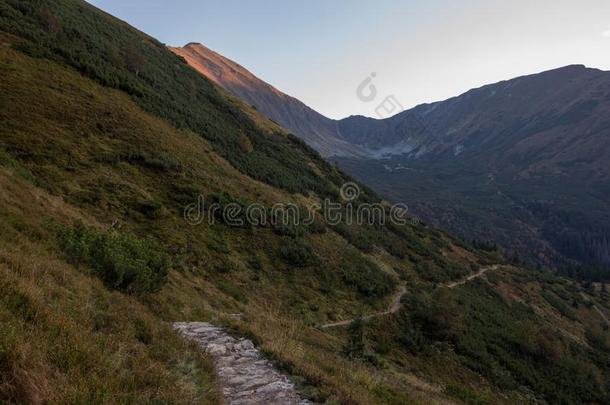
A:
[(365, 275), (550, 221), (298, 253), (439, 270), (117, 56), (64, 329), (122, 261), (355, 346), (506, 343)]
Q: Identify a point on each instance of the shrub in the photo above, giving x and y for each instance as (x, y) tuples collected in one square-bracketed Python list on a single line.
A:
[(365, 276), (298, 253), (17, 302), (232, 291), (411, 338), (227, 209), (143, 331), (7, 160), (292, 230), (428, 271), (563, 308), (122, 261), (355, 346), (362, 237), (317, 227)]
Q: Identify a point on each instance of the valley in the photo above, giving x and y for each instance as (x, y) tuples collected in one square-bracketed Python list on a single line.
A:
[(107, 137), (521, 163)]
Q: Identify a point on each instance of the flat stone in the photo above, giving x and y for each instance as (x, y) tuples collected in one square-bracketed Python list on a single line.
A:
[(245, 375)]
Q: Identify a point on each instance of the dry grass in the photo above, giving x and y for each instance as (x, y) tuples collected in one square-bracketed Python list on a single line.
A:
[(65, 338)]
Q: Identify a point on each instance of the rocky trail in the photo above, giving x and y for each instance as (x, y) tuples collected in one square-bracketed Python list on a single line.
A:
[(245, 376)]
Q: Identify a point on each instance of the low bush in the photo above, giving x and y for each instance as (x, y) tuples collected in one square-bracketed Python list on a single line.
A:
[(122, 261), (297, 253), (8, 161), (365, 276), (504, 343), (363, 237), (233, 291), (355, 346), (560, 305)]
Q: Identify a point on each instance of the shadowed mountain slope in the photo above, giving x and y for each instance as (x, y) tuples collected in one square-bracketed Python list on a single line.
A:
[(523, 162), (108, 142)]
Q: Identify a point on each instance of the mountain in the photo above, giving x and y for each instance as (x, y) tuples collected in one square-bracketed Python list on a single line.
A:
[(540, 119), (523, 162), (127, 182), (317, 130)]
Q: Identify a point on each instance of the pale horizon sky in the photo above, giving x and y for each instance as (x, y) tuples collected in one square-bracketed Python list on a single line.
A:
[(320, 51)]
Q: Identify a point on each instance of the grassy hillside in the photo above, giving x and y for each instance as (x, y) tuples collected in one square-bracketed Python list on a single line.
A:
[(115, 55), (97, 257)]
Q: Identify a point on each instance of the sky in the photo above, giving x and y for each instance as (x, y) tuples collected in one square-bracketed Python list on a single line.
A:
[(321, 51)]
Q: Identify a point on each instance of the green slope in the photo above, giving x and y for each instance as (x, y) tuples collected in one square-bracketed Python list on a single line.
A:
[(123, 147), (115, 55)]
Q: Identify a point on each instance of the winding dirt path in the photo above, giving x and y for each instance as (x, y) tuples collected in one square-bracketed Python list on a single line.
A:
[(247, 377), (471, 277), (396, 303), (392, 309)]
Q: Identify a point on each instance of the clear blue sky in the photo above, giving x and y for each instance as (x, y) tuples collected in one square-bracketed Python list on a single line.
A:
[(320, 50)]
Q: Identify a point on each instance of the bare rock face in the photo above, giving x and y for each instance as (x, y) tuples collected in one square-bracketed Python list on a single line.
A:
[(245, 375)]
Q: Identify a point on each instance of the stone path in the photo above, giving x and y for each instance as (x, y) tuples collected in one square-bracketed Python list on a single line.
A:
[(244, 374)]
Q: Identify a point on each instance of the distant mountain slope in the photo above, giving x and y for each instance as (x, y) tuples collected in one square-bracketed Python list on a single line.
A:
[(317, 130), (531, 123), (524, 162)]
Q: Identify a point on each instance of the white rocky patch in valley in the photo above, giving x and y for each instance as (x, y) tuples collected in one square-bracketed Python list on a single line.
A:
[(458, 149), (245, 375)]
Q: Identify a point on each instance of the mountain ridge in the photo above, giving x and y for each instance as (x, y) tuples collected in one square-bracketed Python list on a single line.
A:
[(109, 140), (339, 137), (545, 128), (317, 130)]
